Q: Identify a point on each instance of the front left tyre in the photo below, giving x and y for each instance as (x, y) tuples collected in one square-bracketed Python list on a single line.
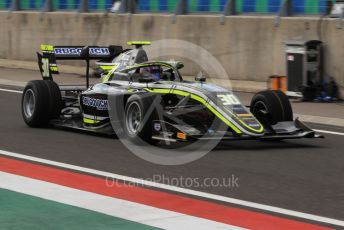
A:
[(271, 106), (41, 102), (139, 115)]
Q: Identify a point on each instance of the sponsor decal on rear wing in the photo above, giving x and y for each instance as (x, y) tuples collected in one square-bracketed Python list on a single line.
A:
[(47, 59), (75, 52)]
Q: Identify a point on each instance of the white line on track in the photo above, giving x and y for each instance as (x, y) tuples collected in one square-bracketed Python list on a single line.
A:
[(329, 132), (11, 91), (181, 190)]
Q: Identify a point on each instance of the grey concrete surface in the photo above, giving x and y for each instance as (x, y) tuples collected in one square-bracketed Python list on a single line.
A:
[(249, 47), (310, 111), (32, 65), (301, 175), (240, 85), (19, 77)]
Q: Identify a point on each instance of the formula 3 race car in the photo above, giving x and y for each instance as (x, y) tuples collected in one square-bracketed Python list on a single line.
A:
[(149, 101)]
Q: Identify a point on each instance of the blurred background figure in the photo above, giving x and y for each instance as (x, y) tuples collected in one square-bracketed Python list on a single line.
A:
[(115, 6)]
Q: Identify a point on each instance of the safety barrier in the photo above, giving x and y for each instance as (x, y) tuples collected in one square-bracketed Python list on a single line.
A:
[(306, 7)]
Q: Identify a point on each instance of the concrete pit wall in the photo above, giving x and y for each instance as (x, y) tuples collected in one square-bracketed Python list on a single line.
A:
[(248, 47)]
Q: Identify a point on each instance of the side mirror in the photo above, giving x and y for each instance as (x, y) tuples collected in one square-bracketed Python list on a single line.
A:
[(179, 65), (200, 77)]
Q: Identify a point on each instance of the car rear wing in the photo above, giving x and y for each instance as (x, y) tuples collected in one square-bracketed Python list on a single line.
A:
[(47, 59), (139, 44)]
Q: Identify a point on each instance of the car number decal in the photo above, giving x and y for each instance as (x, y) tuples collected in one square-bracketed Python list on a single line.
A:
[(228, 99)]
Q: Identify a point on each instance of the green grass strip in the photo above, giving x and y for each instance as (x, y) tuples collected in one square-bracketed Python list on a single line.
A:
[(22, 212)]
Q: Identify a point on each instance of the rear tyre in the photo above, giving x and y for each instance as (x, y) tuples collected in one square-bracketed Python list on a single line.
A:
[(138, 118), (41, 102), (271, 106)]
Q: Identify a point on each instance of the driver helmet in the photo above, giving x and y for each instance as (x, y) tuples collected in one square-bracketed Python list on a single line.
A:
[(153, 71)]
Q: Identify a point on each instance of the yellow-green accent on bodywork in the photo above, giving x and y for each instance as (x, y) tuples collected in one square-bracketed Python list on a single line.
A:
[(261, 129), (199, 99), (139, 43), (107, 77), (111, 71), (54, 68), (90, 121), (47, 47), (107, 67)]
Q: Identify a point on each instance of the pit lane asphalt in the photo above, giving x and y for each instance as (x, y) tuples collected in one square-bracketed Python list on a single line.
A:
[(301, 175)]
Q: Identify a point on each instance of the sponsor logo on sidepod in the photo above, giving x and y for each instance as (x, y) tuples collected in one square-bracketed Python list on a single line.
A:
[(97, 103)]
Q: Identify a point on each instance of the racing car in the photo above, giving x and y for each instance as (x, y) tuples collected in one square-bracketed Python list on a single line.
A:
[(146, 100)]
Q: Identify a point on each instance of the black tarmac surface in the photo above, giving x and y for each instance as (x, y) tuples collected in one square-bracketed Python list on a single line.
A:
[(301, 175)]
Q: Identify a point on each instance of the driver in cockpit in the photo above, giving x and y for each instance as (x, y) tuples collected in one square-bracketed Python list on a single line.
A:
[(153, 71)]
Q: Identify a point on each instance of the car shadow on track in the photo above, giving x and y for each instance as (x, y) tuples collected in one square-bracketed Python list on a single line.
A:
[(250, 145), (265, 145)]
